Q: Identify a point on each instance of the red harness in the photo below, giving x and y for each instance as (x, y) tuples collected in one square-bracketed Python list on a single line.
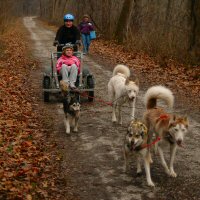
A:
[(149, 145), (164, 116)]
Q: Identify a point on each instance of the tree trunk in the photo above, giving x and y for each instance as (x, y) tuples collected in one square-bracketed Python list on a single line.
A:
[(195, 19), (124, 21)]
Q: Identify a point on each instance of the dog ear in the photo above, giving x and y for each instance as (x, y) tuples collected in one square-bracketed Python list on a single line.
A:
[(137, 81), (142, 134), (127, 81), (185, 119), (69, 99), (172, 120), (128, 129)]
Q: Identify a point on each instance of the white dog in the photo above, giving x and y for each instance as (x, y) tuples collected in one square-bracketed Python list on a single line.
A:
[(169, 127), (121, 90)]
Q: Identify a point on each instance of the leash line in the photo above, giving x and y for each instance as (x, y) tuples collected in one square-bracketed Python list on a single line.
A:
[(98, 99), (105, 102), (151, 144)]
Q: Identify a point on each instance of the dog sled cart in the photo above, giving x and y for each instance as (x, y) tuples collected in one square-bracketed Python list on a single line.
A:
[(85, 81)]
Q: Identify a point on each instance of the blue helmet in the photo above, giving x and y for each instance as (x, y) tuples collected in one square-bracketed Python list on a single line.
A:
[(68, 17)]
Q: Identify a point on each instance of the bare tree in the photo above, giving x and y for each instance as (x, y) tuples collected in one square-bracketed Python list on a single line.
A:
[(124, 20), (165, 27)]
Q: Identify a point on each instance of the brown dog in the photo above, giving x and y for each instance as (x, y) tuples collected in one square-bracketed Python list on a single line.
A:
[(170, 128)]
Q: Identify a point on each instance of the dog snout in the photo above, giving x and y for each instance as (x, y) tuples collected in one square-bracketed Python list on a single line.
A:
[(179, 142), (132, 142), (131, 98)]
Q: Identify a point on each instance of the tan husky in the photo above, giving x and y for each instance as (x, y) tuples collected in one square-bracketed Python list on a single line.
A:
[(136, 144), (122, 90), (169, 127)]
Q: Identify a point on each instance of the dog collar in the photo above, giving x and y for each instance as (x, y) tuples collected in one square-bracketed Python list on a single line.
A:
[(138, 148)]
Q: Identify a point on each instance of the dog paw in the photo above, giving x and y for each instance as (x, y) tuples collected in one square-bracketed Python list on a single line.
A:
[(173, 174), (67, 132), (167, 172), (139, 173), (75, 130), (125, 169), (151, 184), (114, 121), (139, 170)]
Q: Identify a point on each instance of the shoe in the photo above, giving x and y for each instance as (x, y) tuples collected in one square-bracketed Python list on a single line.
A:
[(64, 86), (72, 86)]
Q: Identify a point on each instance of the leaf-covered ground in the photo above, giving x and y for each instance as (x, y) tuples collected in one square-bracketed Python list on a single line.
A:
[(182, 79), (29, 157)]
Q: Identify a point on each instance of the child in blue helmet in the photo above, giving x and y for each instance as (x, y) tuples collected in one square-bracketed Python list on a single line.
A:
[(67, 33)]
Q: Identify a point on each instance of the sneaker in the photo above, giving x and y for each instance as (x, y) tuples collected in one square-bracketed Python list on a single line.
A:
[(64, 86), (72, 86)]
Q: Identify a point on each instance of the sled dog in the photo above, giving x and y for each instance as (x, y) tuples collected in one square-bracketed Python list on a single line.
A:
[(121, 90), (170, 128), (71, 108), (136, 144)]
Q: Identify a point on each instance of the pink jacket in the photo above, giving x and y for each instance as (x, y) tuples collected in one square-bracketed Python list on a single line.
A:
[(67, 61)]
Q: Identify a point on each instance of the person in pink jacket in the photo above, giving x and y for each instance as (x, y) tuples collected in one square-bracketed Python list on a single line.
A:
[(68, 66)]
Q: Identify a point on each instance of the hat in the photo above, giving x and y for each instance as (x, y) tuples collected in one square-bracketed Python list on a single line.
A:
[(86, 16), (68, 46)]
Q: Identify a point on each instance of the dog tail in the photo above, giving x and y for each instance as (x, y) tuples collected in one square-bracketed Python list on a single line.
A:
[(122, 69), (158, 92)]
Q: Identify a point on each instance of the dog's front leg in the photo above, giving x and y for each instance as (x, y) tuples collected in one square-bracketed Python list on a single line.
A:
[(148, 173), (114, 119), (120, 114), (139, 169), (163, 162), (132, 107), (126, 159), (67, 126), (172, 157), (76, 125)]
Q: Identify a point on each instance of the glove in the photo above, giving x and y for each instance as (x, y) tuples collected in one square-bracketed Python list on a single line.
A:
[(55, 43), (78, 42)]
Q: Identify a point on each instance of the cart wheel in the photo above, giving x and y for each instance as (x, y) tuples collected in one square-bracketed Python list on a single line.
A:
[(91, 96), (85, 72), (46, 85), (90, 84)]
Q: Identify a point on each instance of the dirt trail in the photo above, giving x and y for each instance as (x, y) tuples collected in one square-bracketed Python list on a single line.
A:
[(93, 157)]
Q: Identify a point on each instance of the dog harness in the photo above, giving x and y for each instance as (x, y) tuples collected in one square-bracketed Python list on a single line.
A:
[(143, 146), (168, 136)]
